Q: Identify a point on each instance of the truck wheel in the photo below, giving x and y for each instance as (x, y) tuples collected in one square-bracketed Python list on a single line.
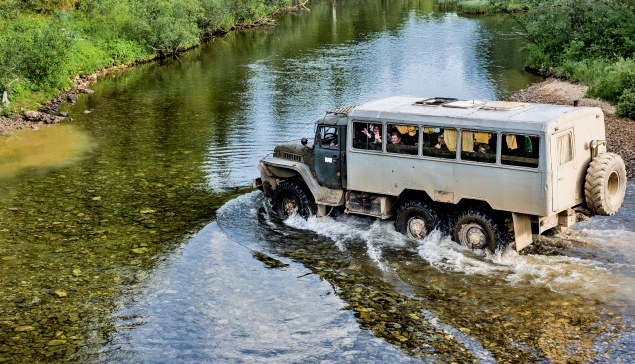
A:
[(605, 184), (416, 220), (289, 198), (478, 230)]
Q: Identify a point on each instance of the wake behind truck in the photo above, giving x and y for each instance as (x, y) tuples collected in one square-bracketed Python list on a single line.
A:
[(487, 172)]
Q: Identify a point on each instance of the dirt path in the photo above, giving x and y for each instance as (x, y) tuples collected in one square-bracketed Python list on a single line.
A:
[(620, 132)]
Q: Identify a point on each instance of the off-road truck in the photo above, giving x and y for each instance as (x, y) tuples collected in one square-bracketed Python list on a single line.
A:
[(486, 172)]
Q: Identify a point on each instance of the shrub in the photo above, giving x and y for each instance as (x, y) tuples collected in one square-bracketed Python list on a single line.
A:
[(612, 82), (626, 104), (217, 14), (165, 26), (474, 6), (572, 30), (45, 42), (33, 54)]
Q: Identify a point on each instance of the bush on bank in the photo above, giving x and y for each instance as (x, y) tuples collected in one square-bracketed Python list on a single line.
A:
[(589, 41), (483, 6), (45, 42)]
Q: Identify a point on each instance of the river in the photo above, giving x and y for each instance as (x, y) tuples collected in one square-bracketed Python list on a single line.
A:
[(131, 234)]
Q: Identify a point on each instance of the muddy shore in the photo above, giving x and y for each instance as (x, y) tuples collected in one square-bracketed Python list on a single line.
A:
[(620, 132)]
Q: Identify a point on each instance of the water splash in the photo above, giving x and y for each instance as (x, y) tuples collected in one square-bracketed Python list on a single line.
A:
[(350, 230)]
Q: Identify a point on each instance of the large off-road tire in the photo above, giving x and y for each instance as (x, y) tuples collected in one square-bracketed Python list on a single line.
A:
[(292, 197), (605, 184), (478, 229), (416, 219)]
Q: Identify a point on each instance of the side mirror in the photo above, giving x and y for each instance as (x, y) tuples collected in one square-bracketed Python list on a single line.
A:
[(304, 141)]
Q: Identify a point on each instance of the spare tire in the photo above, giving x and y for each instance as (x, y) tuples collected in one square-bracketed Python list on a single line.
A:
[(605, 184)]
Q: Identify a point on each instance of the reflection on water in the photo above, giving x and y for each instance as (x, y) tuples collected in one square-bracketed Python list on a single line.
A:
[(51, 147), (215, 303), (432, 299)]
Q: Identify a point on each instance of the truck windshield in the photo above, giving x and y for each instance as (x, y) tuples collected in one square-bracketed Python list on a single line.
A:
[(327, 136)]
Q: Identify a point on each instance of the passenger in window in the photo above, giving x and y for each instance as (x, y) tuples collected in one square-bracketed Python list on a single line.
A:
[(482, 148), (441, 143), (411, 137), (374, 139), (481, 142), (395, 138), (374, 135), (360, 140)]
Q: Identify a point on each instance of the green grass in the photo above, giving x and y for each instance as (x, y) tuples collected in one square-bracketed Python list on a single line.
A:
[(483, 6), (44, 43)]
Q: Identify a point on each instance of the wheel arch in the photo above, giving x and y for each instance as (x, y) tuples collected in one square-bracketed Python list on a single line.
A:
[(470, 203), (276, 170), (408, 194)]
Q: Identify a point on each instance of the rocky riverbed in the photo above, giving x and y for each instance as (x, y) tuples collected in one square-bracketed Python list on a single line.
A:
[(49, 112), (620, 132)]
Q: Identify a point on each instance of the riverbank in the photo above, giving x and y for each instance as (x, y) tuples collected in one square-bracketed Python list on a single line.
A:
[(620, 131), (48, 113), (45, 46)]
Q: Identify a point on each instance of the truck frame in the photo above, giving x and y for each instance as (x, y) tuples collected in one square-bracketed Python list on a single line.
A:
[(487, 172)]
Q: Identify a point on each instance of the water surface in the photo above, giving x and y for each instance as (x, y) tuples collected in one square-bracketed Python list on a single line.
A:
[(143, 241)]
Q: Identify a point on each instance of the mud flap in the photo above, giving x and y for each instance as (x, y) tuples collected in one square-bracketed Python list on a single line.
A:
[(522, 230)]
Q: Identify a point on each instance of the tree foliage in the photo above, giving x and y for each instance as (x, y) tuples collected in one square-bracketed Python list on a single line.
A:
[(45, 42), (592, 41)]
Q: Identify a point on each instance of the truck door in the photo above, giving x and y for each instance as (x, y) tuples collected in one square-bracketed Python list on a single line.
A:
[(565, 170), (328, 158)]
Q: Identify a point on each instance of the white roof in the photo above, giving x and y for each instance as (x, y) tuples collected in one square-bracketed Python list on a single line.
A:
[(468, 113)]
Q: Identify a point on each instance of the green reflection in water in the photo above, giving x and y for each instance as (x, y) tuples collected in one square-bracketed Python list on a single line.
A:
[(78, 233)]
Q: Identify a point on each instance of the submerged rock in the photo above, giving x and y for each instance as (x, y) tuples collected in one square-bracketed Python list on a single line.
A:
[(24, 328)]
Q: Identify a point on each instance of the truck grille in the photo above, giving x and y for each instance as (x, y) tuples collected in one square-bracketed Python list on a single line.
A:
[(291, 156)]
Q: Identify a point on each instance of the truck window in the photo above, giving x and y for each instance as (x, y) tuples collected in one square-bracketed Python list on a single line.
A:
[(439, 142), (402, 139), (367, 136), (327, 136), (478, 146), (520, 150), (565, 150)]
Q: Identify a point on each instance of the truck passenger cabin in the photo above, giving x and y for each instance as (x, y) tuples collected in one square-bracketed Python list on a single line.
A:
[(487, 172)]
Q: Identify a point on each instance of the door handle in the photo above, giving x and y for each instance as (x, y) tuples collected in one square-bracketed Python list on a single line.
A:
[(335, 157)]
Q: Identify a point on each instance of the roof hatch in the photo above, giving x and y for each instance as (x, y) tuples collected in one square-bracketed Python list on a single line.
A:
[(505, 105), (465, 104), (436, 101)]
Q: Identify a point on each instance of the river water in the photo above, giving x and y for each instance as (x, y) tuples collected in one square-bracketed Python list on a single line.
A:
[(131, 234)]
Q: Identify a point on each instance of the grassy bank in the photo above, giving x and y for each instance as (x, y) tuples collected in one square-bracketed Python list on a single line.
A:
[(44, 43), (483, 6), (587, 41)]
